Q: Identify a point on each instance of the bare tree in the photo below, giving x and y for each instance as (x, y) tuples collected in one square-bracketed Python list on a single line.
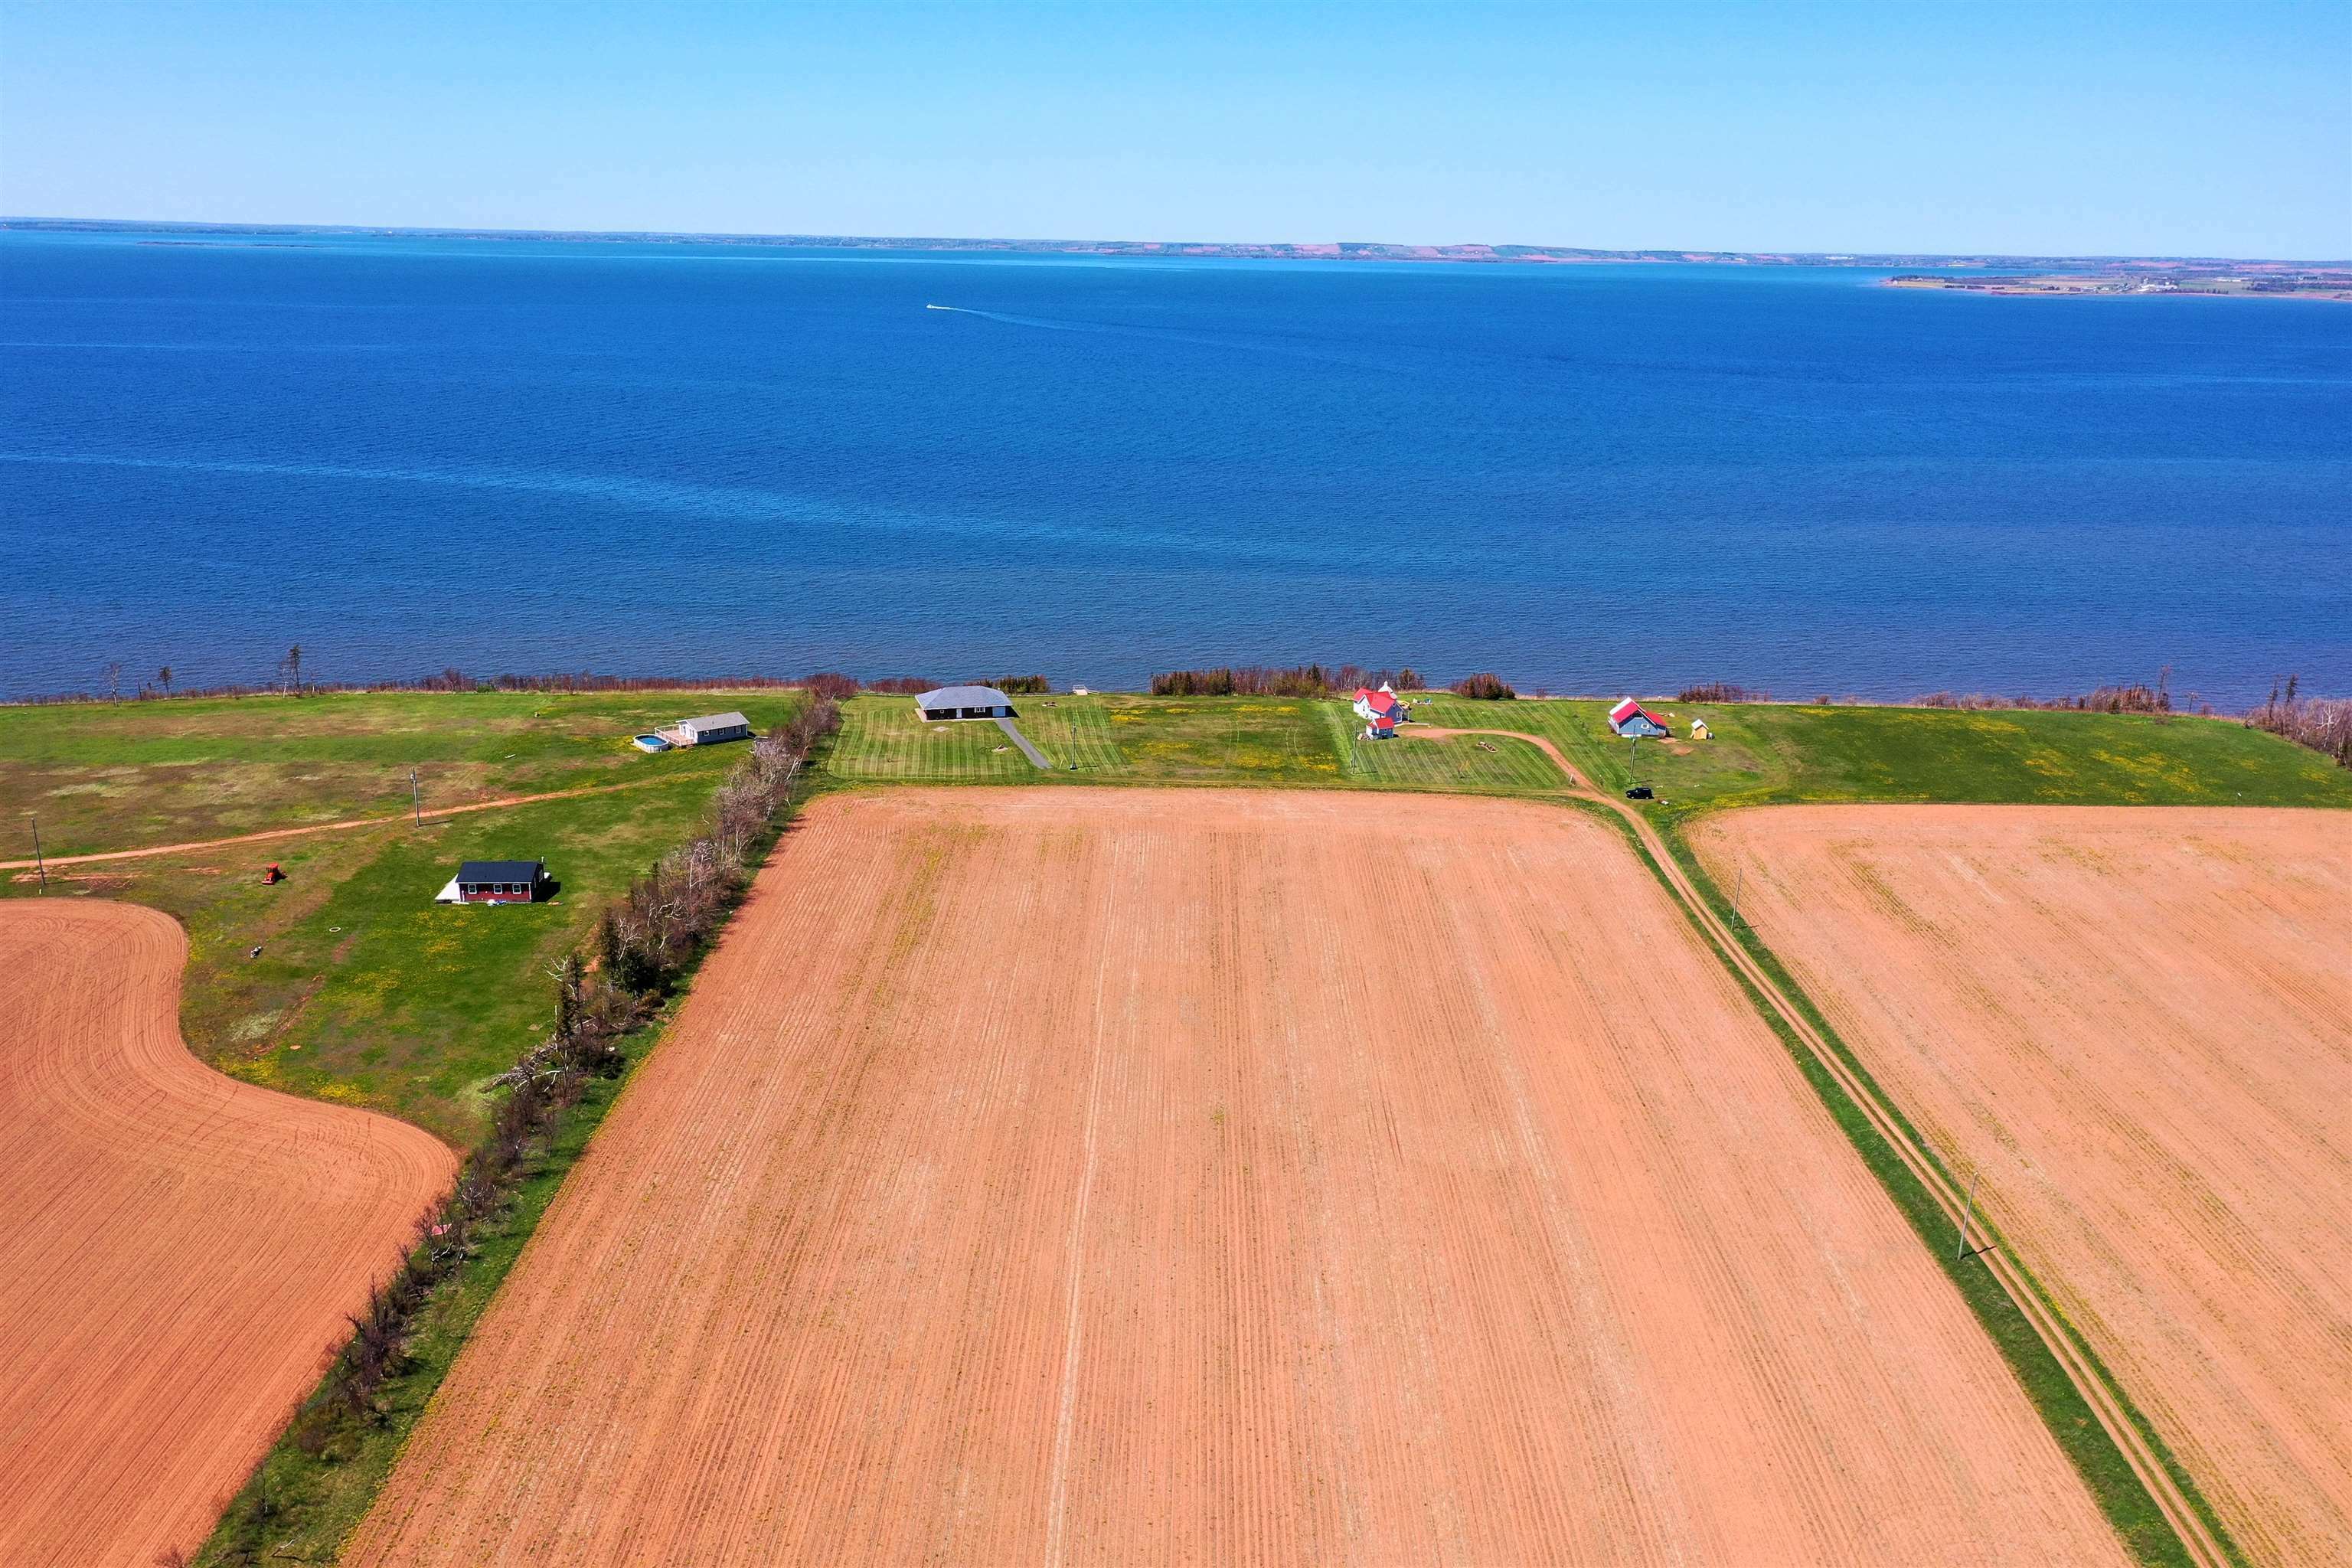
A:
[(292, 665), (114, 681), (164, 679)]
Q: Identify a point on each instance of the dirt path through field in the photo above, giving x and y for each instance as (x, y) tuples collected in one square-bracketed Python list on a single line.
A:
[(343, 825), (180, 1247), (2137, 1023), (1541, 744), (1126, 1177)]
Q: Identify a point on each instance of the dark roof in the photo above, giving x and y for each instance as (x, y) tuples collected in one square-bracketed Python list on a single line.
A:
[(964, 696), (501, 870)]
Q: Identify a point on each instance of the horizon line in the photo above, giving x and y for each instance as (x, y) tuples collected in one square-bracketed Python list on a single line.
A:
[(1496, 251)]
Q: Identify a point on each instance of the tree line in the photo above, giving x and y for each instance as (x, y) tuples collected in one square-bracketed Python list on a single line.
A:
[(1290, 680), (2323, 723), (646, 940)]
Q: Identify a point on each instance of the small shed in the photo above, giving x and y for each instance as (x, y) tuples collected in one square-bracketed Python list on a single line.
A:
[(1380, 711), (1630, 719), (1699, 732), (713, 728), (496, 882), (965, 702)]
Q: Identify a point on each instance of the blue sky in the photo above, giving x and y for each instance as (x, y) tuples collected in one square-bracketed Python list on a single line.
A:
[(2143, 128)]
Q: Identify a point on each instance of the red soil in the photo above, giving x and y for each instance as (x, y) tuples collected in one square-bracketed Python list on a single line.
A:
[(1124, 1176), (2137, 1025), (180, 1247)]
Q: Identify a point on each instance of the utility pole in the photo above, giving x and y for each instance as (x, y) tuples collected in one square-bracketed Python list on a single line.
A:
[(1738, 886), (416, 798), (40, 863), (1967, 1211), (1070, 719)]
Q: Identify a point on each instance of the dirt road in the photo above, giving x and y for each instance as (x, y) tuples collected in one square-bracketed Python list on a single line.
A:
[(342, 826), (180, 1247), (2096, 1387), (1133, 1176), (2137, 1023)]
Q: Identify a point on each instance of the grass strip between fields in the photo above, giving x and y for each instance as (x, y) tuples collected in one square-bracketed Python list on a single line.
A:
[(2118, 1490), (300, 1506)]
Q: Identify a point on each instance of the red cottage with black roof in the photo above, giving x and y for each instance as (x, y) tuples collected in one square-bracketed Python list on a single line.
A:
[(497, 882)]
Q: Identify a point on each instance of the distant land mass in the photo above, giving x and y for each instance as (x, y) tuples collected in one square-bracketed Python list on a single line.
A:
[(2242, 279), (2277, 276)]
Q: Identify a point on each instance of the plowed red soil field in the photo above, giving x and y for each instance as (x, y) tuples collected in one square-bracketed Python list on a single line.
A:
[(2137, 1023), (179, 1248), (1131, 1177)]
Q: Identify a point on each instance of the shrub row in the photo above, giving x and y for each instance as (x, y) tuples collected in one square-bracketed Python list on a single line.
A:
[(646, 939), (2133, 698), (1484, 687)]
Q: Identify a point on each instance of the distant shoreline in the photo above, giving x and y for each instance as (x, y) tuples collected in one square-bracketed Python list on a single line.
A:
[(2224, 283), (1472, 254)]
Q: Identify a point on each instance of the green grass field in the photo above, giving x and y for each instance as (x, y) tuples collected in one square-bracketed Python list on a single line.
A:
[(120, 776), (366, 992)]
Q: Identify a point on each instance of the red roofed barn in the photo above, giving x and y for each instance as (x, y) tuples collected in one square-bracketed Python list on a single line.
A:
[(1630, 717)]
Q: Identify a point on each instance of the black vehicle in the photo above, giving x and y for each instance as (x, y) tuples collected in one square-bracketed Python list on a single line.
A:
[(1640, 791)]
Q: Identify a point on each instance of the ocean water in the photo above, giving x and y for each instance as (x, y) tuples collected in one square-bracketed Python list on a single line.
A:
[(408, 454)]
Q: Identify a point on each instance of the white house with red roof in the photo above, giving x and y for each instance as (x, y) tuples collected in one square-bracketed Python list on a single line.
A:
[(1380, 711), (1630, 717)]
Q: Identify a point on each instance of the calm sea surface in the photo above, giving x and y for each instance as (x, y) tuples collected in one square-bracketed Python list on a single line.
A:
[(524, 457)]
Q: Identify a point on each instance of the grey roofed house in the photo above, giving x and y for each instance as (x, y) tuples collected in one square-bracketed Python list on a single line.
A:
[(965, 702), (715, 727), (500, 872), (496, 882)]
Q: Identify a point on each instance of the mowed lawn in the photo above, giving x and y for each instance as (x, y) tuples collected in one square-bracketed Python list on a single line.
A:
[(124, 775), (1222, 740), (364, 991), (1232, 740)]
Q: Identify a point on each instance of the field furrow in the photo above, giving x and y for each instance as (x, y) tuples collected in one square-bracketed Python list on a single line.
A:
[(2137, 1025), (1109, 1176), (182, 1247)]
